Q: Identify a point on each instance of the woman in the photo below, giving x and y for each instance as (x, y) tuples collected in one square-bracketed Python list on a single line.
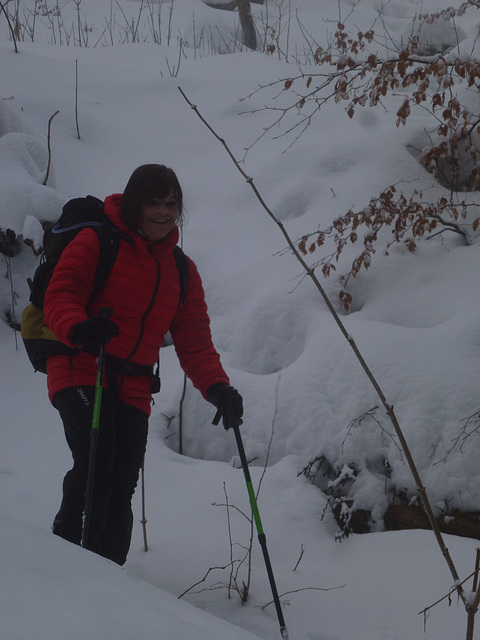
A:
[(143, 289)]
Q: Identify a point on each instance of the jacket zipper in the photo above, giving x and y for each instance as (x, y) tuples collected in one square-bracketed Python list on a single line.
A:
[(148, 309)]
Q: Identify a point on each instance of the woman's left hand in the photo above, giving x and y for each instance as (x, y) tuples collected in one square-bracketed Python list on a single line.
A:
[(229, 403)]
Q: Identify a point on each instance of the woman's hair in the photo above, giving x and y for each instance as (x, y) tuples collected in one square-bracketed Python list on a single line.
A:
[(147, 182)]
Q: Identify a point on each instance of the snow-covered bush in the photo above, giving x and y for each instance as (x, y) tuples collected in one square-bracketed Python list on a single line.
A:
[(432, 72)]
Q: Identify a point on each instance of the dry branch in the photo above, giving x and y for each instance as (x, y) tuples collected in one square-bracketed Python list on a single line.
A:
[(47, 173), (203, 579), (303, 589)]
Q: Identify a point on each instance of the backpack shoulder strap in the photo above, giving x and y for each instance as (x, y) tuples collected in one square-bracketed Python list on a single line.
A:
[(109, 243), (182, 266)]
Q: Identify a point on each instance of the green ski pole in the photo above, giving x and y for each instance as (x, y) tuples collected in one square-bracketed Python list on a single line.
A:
[(106, 312), (258, 523)]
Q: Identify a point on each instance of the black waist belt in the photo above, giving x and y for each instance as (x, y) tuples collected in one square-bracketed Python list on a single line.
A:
[(116, 367), (128, 368)]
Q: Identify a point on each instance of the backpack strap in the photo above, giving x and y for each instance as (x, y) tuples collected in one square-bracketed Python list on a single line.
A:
[(182, 266), (109, 242)]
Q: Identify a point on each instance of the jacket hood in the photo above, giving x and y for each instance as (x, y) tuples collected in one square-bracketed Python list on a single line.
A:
[(113, 205)]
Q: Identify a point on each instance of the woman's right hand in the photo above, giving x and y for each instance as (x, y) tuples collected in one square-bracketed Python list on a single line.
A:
[(94, 332)]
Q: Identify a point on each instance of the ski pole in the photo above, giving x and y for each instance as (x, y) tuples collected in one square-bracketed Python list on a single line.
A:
[(256, 516), (105, 312)]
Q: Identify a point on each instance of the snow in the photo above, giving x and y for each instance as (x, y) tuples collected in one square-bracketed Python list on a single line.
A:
[(415, 318)]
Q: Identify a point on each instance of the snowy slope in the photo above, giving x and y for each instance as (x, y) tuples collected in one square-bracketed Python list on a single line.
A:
[(58, 592)]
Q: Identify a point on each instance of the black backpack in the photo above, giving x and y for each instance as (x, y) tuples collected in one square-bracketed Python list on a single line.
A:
[(77, 214)]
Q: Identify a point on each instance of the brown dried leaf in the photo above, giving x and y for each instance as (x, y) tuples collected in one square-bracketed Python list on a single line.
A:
[(345, 299)]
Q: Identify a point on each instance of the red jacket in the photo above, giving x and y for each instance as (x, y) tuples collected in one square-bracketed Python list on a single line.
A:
[(143, 289)]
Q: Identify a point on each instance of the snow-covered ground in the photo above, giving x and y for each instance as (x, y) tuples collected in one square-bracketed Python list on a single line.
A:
[(415, 318)]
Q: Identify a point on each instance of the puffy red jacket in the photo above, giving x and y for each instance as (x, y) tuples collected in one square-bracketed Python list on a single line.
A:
[(143, 289)]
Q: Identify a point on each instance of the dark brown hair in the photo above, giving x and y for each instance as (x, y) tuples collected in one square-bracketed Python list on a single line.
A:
[(146, 182)]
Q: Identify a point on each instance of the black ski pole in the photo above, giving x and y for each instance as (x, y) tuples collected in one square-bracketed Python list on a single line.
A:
[(106, 312), (256, 515)]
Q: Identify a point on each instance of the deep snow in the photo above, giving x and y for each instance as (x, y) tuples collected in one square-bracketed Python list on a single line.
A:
[(415, 319)]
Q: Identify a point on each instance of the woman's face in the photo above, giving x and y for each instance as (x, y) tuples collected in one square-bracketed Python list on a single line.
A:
[(158, 217)]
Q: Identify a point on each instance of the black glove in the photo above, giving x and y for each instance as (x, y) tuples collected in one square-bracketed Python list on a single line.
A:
[(94, 332), (228, 402)]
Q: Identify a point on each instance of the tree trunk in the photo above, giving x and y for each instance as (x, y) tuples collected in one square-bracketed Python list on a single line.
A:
[(248, 28)]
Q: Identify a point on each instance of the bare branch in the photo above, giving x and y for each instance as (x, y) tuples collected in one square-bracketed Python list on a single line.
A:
[(303, 589), (47, 173), (203, 579)]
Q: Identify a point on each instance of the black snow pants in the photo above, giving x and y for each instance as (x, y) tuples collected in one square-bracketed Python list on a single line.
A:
[(122, 438)]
